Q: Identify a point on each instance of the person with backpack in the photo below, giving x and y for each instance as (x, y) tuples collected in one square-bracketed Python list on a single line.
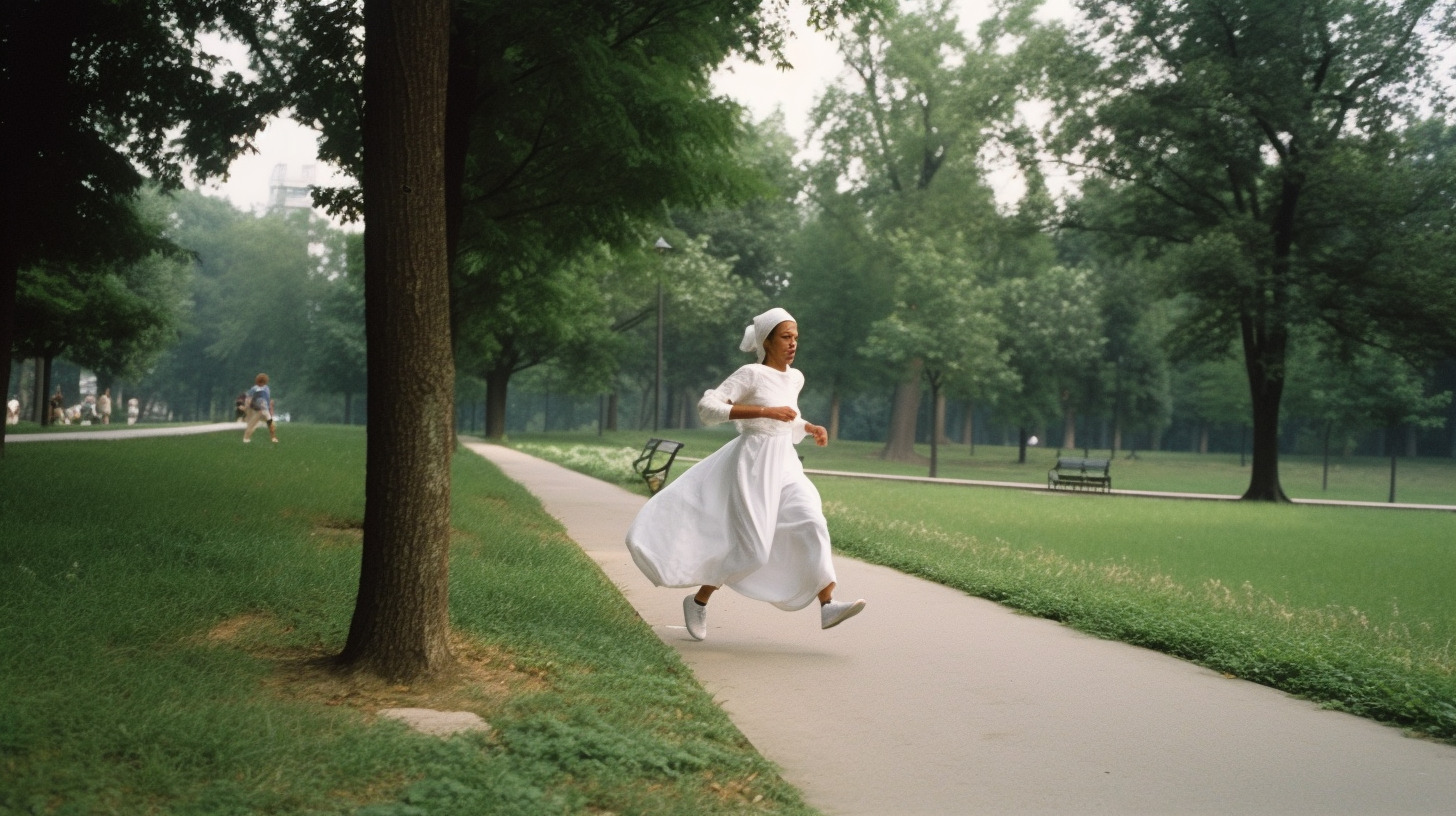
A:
[(260, 408)]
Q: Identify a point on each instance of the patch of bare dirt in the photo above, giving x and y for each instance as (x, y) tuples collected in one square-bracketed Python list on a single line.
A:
[(330, 531), (482, 680)]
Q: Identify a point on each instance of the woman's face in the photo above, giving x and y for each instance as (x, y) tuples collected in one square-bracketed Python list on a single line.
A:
[(782, 344)]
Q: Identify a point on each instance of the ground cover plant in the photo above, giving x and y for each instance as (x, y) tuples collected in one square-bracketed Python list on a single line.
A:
[(1350, 607), (167, 607)]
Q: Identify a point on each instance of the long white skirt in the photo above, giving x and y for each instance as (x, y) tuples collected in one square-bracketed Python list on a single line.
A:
[(746, 517)]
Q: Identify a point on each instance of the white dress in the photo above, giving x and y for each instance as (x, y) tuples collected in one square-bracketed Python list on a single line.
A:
[(746, 517)]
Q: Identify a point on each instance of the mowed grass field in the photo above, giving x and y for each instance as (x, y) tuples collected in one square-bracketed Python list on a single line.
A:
[(1350, 606), (169, 607), (1355, 478)]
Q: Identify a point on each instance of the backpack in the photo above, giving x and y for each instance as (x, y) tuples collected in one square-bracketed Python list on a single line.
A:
[(260, 403)]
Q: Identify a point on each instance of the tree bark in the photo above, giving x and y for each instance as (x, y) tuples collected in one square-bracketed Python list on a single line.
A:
[(401, 623), (900, 445), (612, 411), (497, 383), (1264, 349), (1069, 428), (937, 401)]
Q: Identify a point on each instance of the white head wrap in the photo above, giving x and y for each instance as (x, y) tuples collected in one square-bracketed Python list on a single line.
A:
[(760, 329)]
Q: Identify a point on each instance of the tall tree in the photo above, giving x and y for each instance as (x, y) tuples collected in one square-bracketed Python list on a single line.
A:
[(943, 323), (337, 351), (839, 289), (1254, 139), (1054, 334), (905, 140), (401, 622)]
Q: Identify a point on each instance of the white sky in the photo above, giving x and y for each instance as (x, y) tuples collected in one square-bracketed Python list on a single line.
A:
[(762, 89)]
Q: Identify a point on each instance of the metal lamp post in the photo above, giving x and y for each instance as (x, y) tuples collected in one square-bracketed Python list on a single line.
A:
[(662, 246)]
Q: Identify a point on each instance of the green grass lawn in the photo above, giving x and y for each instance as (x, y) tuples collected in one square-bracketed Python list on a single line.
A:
[(1355, 478), (168, 607), (1352, 607)]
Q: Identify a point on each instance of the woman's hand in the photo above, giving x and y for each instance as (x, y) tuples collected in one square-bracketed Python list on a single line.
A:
[(821, 436), (782, 413)]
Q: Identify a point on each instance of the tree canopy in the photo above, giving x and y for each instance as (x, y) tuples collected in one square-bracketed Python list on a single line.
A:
[(1252, 143)]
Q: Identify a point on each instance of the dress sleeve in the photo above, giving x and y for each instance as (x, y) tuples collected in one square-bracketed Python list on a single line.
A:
[(800, 425), (713, 408)]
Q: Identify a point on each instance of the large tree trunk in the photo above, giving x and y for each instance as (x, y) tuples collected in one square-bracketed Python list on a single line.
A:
[(900, 445), (612, 411), (937, 401), (401, 624), (497, 384), (1264, 351)]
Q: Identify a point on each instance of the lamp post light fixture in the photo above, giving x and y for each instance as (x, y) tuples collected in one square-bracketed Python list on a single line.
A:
[(662, 246)]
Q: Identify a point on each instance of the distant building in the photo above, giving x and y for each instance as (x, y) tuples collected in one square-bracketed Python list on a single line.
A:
[(290, 192)]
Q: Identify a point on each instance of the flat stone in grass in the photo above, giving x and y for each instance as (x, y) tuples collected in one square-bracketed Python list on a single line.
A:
[(438, 723)]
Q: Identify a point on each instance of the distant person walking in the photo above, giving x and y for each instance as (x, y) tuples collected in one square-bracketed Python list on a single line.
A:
[(260, 408), (12, 411), (58, 407), (103, 406), (133, 411), (746, 516)]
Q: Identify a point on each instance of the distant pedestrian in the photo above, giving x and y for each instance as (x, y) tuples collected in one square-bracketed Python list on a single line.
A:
[(133, 411), (747, 516), (58, 407), (103, 406), (240, 407), (260, 408), (12, 411)]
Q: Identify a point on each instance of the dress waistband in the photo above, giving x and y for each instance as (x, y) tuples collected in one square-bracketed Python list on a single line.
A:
[(764, 427)]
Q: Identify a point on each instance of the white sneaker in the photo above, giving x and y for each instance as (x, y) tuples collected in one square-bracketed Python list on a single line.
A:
[(837, 612), (696, 617)]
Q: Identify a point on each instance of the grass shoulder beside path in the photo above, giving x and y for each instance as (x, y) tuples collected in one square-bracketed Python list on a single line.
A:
[(1350, 607), (1355, 478), (168, 607)]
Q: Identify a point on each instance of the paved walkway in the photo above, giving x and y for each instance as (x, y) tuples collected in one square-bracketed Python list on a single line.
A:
[(935, 702), (124, 432)]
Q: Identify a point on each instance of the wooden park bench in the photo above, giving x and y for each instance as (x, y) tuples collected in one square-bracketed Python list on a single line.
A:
[(1080, 473), (649, 465)]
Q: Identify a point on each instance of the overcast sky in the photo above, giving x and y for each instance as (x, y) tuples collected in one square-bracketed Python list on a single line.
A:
[(760, 88)]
